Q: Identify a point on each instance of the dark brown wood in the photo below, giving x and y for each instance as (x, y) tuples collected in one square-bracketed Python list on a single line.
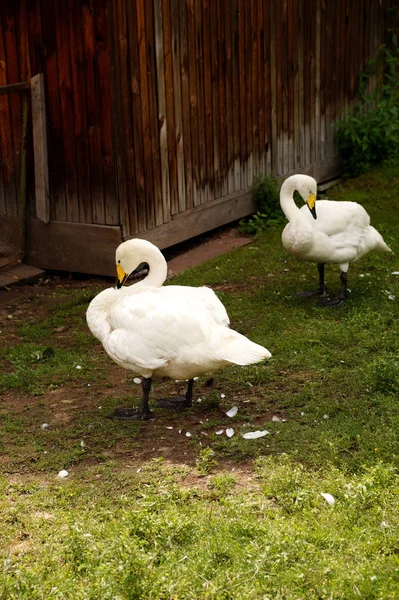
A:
[(135, 84), (66, 111), (14, 87), (169, 99), (92, 113), (208, 97), (185, 101), (79, 247), (157, 108), (40, 153)]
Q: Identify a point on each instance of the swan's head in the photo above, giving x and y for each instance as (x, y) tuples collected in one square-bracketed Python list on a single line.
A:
[(306, 186), (130, 254)]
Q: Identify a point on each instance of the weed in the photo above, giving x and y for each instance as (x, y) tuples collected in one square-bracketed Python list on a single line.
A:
[(205, 461), (370, 133), (266, 194)]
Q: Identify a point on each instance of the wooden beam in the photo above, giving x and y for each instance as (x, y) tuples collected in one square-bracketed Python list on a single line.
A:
[(40, 148), (204, 217), (76, 247), (14, 87)]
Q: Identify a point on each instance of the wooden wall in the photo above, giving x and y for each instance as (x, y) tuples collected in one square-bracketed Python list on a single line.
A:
[(161, 112), (214, 92)]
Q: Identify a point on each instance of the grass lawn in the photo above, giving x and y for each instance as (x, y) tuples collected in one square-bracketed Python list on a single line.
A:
[(150, 512)]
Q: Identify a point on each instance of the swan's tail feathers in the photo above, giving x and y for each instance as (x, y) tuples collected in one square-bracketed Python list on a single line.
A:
[(379, 241), (239, 350)]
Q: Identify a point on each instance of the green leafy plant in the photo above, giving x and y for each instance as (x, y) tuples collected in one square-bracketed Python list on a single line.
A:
[(369, 134), (267, 197), (205, 461)]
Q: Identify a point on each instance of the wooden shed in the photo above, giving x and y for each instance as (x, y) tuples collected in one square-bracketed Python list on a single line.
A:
[(151, 118)]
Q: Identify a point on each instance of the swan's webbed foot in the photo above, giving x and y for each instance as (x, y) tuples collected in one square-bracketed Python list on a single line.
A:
[(134, 414), (312, 294), (177, 403), (321, 290), (180, 402), (327, 303), (130, 414)]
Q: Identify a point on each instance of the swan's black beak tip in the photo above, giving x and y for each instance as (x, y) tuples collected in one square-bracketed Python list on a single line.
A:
[(313, 212), (118, 284)]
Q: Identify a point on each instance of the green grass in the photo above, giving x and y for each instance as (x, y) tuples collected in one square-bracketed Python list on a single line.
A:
[(243, 518)]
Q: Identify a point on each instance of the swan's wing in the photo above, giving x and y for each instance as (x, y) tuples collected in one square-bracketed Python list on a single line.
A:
[(203, 297), (338, 217), (151, 327)]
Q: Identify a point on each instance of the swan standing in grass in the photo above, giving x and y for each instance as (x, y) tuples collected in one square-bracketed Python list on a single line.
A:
[(339, 232), (174, 331)]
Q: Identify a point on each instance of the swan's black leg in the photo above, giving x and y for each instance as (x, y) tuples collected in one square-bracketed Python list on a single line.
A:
[(342, 295), (181, 401), (189, 393), (144, 413), (322, 290)]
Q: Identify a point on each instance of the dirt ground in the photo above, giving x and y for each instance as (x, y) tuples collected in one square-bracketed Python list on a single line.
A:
[(166, 437)]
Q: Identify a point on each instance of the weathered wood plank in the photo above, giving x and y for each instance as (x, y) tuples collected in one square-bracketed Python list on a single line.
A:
[(162, 121), (254, 45), (199, 59), (145, 110), (248, 91), (79, 113), (215, 98), (92, 113), (122, 126), (242, 95), (181, 130), (208, 99), (40, 154), (193, 97), (236, 98), (261, 86), (172, 64), (55, 138), (135, 84), (62, 25), (185, 140), (221, 47), (111, 200), (78, 247)]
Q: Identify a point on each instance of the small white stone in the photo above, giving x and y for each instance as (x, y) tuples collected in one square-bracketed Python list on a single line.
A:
[(325, 417), (137, 380), (373, 577), (82, 444), (223, 395), (188, 434), (384, 525), (219, 432), (196, 378), (63, 473), (303, 414), (138, 470), (229, 432), (78, 367), (395, 273), (45, 425), (199, 400), (169, 427), (276, 419)]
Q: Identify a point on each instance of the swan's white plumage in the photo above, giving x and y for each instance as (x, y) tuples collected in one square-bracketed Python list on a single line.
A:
[(174, 331), (341, 233)]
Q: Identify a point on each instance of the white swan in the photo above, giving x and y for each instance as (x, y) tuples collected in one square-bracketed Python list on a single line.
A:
[(174, 331), (340, 232)]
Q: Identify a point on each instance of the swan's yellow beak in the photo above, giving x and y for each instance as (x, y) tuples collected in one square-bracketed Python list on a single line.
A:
[(121, 276), (311, 202)]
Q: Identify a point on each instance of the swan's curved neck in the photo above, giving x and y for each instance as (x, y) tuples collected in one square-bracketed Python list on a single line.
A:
[(287, 201), (157, 272)]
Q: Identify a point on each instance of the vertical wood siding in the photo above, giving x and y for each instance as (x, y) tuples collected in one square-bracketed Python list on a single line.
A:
[(158, 107)]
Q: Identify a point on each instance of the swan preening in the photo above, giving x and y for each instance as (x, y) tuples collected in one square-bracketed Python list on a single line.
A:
[(174, 331), (329, 232)]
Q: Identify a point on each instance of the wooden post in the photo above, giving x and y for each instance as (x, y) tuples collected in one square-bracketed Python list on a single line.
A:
[(40, 148)]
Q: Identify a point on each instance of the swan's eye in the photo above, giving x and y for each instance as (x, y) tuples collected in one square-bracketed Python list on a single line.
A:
[(119, 262)]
